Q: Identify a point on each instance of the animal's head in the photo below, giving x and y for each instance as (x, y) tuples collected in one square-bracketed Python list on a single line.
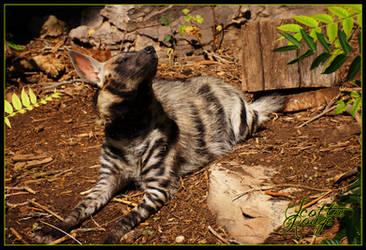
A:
[(118, 79)]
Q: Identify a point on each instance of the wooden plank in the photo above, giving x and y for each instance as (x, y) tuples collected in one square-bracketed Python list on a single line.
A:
[(264, 69), (251, 58), (277, 73)]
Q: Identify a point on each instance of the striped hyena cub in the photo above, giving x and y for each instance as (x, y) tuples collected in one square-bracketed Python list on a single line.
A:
[(157, 131)]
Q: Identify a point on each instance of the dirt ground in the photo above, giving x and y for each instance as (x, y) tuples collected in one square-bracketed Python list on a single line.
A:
[(64, 132)]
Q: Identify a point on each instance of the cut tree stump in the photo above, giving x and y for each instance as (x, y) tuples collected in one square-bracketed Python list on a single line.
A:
[(264, 69)]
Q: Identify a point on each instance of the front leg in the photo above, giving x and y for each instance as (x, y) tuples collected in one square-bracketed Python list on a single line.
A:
[(157, 193), (158, 189), (113, 177)]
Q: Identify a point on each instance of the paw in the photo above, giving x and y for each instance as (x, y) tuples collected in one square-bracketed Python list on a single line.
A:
[(112, 239), (119, 236)]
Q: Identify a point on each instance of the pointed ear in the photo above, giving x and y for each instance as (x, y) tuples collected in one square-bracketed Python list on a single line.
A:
[(87, 67)]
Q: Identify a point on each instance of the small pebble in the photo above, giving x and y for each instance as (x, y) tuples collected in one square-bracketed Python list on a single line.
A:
[(179, 239)]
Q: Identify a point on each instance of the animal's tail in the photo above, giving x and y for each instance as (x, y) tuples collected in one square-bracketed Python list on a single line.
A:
[(267, 105), (258, 112)]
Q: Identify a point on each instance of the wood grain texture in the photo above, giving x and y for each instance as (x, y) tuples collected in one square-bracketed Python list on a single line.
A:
[(264, 69)]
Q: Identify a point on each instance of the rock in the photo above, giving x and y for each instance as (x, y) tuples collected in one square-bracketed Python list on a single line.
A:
[(91, 16), (117, 15), (140, 26), (80, 33), (53, 27), (106, 34), (251, 218), (143, 41), (179, 239)]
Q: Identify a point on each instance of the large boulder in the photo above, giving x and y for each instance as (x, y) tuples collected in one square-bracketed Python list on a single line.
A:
[(241, 207)]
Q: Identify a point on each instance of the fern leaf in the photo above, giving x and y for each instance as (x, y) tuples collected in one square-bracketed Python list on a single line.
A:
[(7, 122), (16, 102), (325, 18), (339, 11), (7, 107), (33, 97), (42, 101), (308, 21), (347, 26), (290, 27), (332, 30), (25, 99)]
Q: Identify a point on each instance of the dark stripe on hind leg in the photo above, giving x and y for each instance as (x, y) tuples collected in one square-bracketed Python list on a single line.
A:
[(243, 118), (254, 121)]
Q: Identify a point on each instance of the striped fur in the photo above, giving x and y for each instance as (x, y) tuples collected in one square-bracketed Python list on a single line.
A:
[(157, 131)]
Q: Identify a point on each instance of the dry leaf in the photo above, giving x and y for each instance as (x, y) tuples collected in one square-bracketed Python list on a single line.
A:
[(49, 64)]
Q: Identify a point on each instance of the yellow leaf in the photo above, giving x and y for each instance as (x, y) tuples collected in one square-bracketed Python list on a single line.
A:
[(8, 108), (32, 96), (25, 98), (7, 122), (16, 102), (22, 111), (91, 31)]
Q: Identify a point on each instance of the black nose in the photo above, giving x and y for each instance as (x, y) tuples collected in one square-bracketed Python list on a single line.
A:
[(149, 49)]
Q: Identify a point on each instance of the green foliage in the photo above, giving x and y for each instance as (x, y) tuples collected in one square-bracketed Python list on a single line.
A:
[(333, 31), (166, 21), (15, 46), (350, 223), (188, 18), (189, 28), (336, 40), (24, 103), (352, 98)]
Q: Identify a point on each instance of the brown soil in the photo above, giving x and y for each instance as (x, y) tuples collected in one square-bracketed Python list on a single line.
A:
[(65, 130)]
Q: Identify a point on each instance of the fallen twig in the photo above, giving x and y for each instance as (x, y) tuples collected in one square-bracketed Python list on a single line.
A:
[(129, 203), (86, 192), (346, 175), (99, 227), (73, 233), (317, 116), (33, 163), (19, 237), (11, 205), (28, 189), (34, 203), (13, 194), (220, 57), (217, 235), (90, 229), (62, 238), (29, 157), (55, 85), (277, 194), (317, 199), (275, 186)]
